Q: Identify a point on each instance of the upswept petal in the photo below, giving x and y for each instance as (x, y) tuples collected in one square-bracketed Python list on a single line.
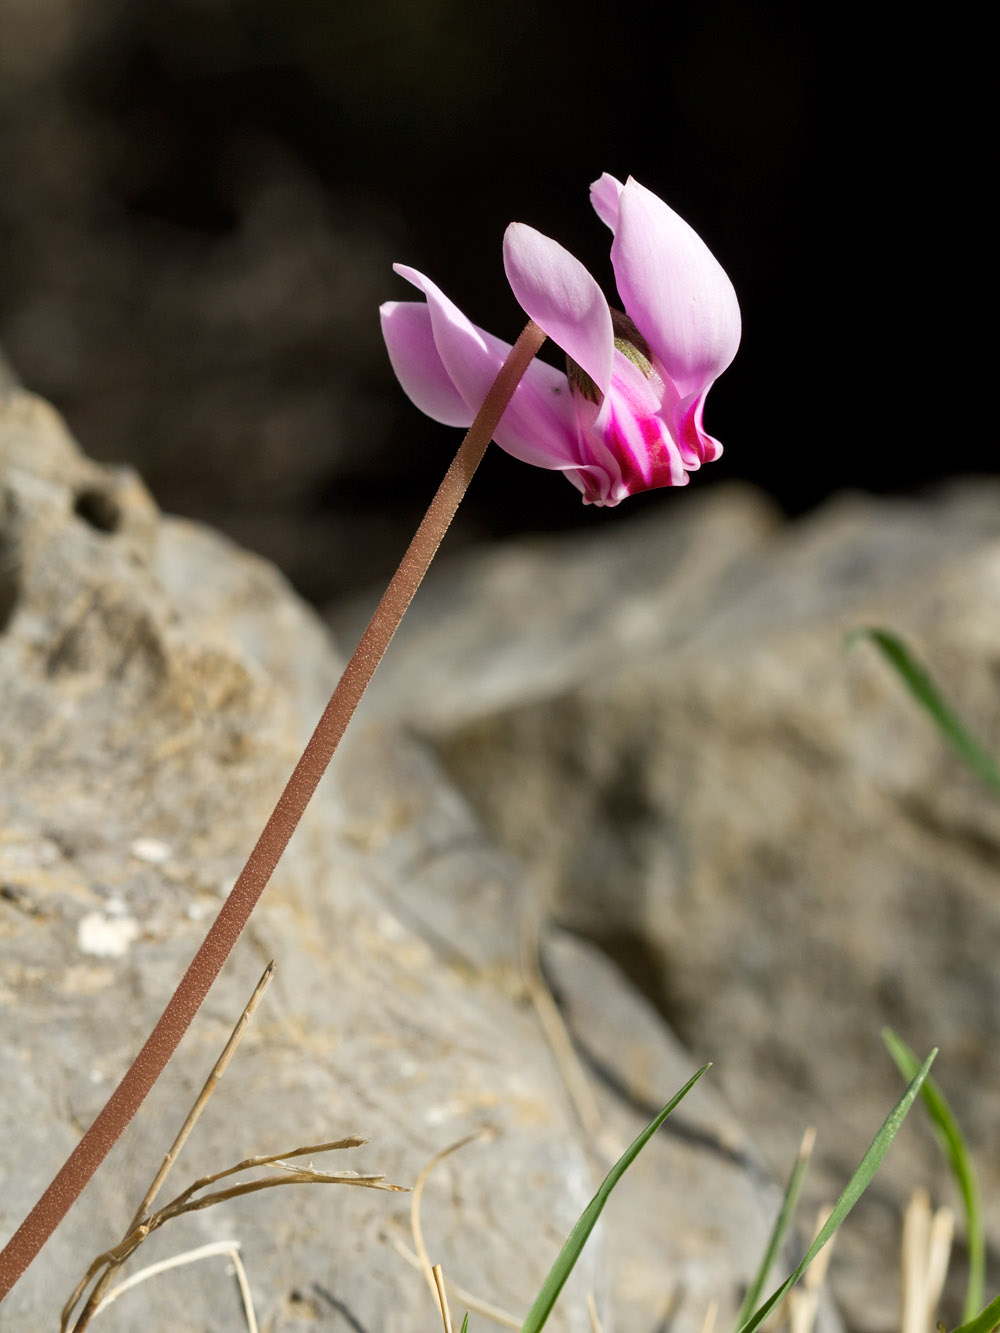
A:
[(674, 289), (604, 195), (409, 340), (462, 347), (563, 299), (538, 425)]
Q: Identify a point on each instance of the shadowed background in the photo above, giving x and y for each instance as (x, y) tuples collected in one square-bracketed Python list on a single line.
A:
[(202, 200)]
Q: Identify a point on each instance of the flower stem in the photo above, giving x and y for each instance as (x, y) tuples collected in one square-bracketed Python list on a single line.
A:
[(123, 1103)]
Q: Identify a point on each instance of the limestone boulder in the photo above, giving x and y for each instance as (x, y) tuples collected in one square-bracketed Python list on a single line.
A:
[(156, 685)]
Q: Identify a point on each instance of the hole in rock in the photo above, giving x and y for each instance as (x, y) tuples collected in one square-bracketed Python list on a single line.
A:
[(10, 580), (99, 509)]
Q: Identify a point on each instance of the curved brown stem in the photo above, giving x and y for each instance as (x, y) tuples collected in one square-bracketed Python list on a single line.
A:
[(123, 1103)]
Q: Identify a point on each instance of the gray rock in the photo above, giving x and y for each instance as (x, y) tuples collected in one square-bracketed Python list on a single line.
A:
[(762, 828), (156, 685)]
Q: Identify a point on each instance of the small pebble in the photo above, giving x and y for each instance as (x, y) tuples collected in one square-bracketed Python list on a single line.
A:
[(150, 850), (106, 937)]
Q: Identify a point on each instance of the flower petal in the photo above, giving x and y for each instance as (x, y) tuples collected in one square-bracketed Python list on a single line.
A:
[(696, 445), (604, 196), (462, 347), (538, 425), (409, 339), (562, 298), (647, 455), (674, 289)]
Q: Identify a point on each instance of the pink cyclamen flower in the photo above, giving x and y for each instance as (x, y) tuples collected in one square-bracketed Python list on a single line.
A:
[(627, 415)]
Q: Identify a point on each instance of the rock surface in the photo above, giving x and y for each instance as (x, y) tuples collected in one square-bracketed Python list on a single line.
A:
[(156, 685), (762, 828)]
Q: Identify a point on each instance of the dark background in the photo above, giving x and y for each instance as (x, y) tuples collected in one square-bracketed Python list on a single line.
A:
[(201, 200)]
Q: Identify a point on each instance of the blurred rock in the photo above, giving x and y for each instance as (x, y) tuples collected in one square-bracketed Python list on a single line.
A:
[(762, 828), (156, 685)]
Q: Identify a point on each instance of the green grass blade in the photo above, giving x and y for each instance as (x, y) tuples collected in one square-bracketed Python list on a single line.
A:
[(465, 1323), (954, 1147), (987, 1321), (856, 1186), (570, 1252), (927, 694), (780, 1229)]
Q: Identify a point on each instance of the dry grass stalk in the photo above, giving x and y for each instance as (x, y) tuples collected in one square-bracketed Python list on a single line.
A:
[(926, 1250), (228, 1248), (418, 1191), (503, 1318), (187, 1203), (201, 1101), (595, 1323), (561, 1044), (708, 1323), (442, 1296)]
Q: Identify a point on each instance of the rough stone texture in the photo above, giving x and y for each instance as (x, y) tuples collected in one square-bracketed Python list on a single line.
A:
[(761, 827), (155, 685)]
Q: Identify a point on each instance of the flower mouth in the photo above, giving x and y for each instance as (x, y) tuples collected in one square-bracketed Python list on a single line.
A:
[(629, 341), (581, 381)]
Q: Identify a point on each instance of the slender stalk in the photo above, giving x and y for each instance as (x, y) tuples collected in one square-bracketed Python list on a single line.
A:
[(123, 1103)]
